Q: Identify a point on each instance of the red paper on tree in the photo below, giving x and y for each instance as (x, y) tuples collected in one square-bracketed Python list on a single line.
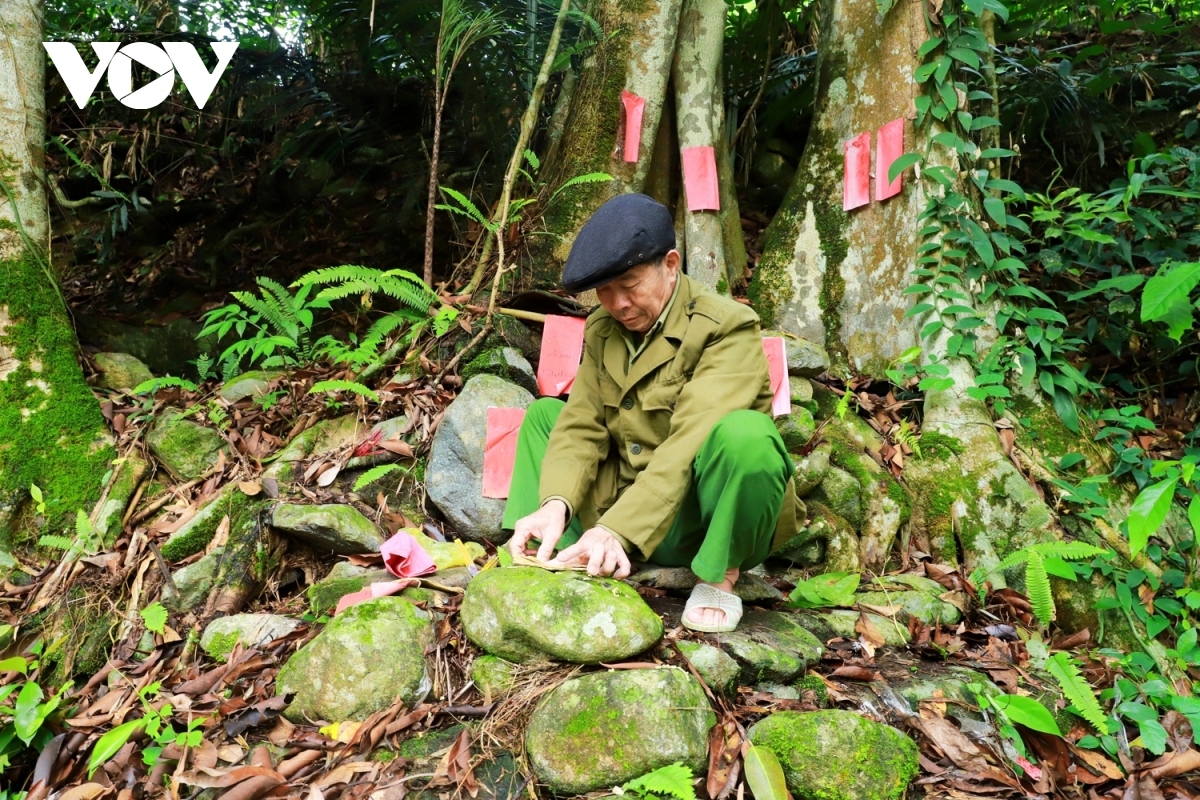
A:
[(500, 451), (781, 403), (700, 179), (562, 350), (857, 191), (634, 106), (889, 145)]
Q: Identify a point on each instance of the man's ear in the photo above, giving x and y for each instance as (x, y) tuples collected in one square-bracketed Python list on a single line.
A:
[(671, 260)]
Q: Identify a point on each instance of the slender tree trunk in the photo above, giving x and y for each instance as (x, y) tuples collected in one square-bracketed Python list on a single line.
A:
[(51, 430), (439, 101), (635, 56)]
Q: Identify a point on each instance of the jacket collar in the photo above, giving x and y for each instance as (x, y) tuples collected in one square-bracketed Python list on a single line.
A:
[(661, 349)]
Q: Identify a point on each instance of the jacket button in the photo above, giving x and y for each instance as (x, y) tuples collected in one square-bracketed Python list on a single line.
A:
[(692, 306), (635, 448), (627, 403)]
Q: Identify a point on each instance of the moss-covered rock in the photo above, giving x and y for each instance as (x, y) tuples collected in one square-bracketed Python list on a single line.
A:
[(925, 607), (716, 667), (801, 391), (749, 587), (838, 755), (193, 583), (367, 657), (493, 676), (343, 579), (603, 729), (126, 476), (329, 434), (506, 363), (796, 428), (251, 630), (527, 614), (840, 622), (842, 494), (811, 470), (331, 528), (771, 646), (185, 447), (249, 384), (195, 534), (841, 541), (120, 371), (805, 359)]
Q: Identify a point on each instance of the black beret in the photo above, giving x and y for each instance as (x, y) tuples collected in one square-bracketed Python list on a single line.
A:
[(628, 230)]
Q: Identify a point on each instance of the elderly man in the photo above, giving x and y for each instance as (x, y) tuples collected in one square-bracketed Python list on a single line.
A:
[(665, 449)]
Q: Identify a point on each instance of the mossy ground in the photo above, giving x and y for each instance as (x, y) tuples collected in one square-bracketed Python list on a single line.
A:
[(51, 430)]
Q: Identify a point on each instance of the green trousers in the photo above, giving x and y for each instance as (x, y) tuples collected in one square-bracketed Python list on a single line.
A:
[(728, 518)]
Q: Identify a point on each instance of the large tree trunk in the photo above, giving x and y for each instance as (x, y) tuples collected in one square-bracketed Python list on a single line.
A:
[(51, 430)]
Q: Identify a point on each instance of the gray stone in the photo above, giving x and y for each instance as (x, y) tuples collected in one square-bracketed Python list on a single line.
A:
[(838, 539), (924, 606), (811, 470), (324, 595), (505, 363), (840, 622), (603, 729), (366, 658), (454, 477), (194, 582), (841, 492), (325, 436), (186, 448), (393, 428), (251, 630), (528, 614), (126, 477), (716, 667), (335, 528), (771, 646), (838, 755), (493, 676), (750, 588), (805, 359), (779, 690), (195, 534), (249, 384), (120, 371), (801, 390)]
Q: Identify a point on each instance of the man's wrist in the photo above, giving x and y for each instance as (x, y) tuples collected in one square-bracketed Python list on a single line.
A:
[(568, 512)]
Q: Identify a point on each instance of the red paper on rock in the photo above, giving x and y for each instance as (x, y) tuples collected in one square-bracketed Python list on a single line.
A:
[(404, 557), (500, 451), (857, 180), (889, 145), (562, 350), (380, 589), (781, 403), (634, 106), (700, 179)]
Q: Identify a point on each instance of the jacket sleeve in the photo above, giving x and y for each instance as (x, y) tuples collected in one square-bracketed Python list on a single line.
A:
[(728, 377), (580, 440)]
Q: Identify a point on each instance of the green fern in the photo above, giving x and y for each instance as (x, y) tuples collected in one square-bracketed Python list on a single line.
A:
[(55, 541), (1037, 579), (154, 384), (465, 208), (591, 177), (349, 280), (673, 780), (374, 474), (1065, 671), (344, 386)]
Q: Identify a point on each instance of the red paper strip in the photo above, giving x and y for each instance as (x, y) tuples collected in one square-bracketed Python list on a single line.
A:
[(889, 145), (781, 403), (404, 557), (562, 350), (379, 589), (857, 180), (500, 451), (700, 179), (634, 106)]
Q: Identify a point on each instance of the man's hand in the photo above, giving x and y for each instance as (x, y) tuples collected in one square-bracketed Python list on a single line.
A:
[(601, 552), (547, 524)]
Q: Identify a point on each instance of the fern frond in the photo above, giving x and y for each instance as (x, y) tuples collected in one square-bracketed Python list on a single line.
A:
[(344, 386), (277, 321), (591, 177), (374, 474), (338, 274), (674, 780), (154, 384), (532, 158), (465, 206), (1069, 551), (1037, 587), (1076, 689), (55, 541)]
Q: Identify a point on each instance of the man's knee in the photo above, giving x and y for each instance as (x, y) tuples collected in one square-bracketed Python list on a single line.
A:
[(543, 413), (750, 439)]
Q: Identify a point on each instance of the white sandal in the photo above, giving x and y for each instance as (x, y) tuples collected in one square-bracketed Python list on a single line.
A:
[(705, 595)]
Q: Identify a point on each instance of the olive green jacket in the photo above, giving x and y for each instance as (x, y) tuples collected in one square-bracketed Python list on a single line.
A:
[(621, 452)]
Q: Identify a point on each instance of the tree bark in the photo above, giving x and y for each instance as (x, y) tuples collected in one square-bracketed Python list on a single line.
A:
[(51, 430), (634, 55), (833, 276)]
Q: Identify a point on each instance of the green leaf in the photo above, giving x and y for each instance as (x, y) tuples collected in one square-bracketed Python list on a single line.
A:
[(374, 474), (994, 206), (344, 386), (829, 589), (1064, 404), (155, 617), (928, 47), (1037, 587), (25, 713), (1167, 288), (674, 780), (900, 164), (1066, 672), (764, 774), (1153, 736), (968, 57), (1148, 512), (1026, 711), (111, 743)]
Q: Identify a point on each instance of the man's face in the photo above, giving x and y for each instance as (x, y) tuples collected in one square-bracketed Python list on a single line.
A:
[(637, 298)]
